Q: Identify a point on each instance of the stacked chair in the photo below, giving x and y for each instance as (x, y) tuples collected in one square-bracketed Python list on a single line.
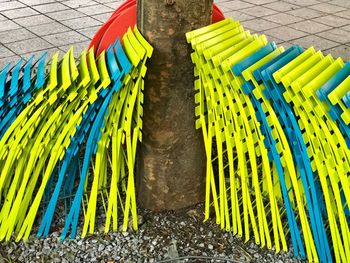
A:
[(69, 133), (275, 125)]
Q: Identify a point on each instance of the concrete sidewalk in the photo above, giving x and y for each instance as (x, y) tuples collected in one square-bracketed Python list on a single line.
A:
[(33, 26)]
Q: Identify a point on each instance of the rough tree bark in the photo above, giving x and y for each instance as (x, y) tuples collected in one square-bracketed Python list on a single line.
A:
[(171, 172)]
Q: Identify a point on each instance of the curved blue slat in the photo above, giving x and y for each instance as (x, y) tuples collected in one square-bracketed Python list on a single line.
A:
[(288, 120)]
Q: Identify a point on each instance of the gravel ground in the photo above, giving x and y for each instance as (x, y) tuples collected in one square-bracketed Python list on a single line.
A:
[(160, 237)]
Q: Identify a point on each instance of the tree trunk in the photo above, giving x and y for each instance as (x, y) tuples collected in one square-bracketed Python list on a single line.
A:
[(171, 169)]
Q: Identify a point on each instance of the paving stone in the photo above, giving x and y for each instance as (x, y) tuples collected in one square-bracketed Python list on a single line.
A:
[(65, 15), (65, 38), (281, 6), (344, 14), (343, 3), (306, 13), (8, 60), (79, 3), (8, 25), (259, 11), (89, 32), (33, 20), (2, 18), (332, 20), (303, 2), (28, 45), (37, 54), (317, 42), (10, 5), (342, 51), (283, 19), (285, 33), (78, 48), (95, 10), (37, 2), (309, 26), (237, 15), (20, 12), (102, 17), (114, 5), (328, 8), (82, 22), (259, 24), (259, 2), (287, 45), (338, 35), (235, 5), (5, 52), (51, 7), (48, 29), (15, 35)]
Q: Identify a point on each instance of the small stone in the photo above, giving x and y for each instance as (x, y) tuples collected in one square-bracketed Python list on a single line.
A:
[(210, 246), (201, 245), (101, 248)]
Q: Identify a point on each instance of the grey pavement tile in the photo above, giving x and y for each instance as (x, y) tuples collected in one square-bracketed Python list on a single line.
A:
[(259, 24), (33, 20), (8, 60), (114, 5), (347, 28), (37, 2), (342, 51), (286, 44), (2, 18), (281, 6), (285, 33), (235, 5), (65, 14), (274, 39), (95, 9), (224, 9), (5, 52), (28, 45), (15, 35), (89, 32), (37, 54), (310, 27), (306, 13), (259, 11), (102, 17), (343, 3), (317, 42), (20, 12), (337, 35), (48, 29), (82, 22), (328, 8), (332, 20), (10, 5), (237, 15), (8, 25), (78, 48), (283, 19), (65, 38), (259, 2), (344, 14), (50, 7), (303, 2), (79, 3), (110, 1)]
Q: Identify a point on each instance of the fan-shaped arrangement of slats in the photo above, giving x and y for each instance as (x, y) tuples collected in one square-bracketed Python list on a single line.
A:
[(275, 124), (69, 133)]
